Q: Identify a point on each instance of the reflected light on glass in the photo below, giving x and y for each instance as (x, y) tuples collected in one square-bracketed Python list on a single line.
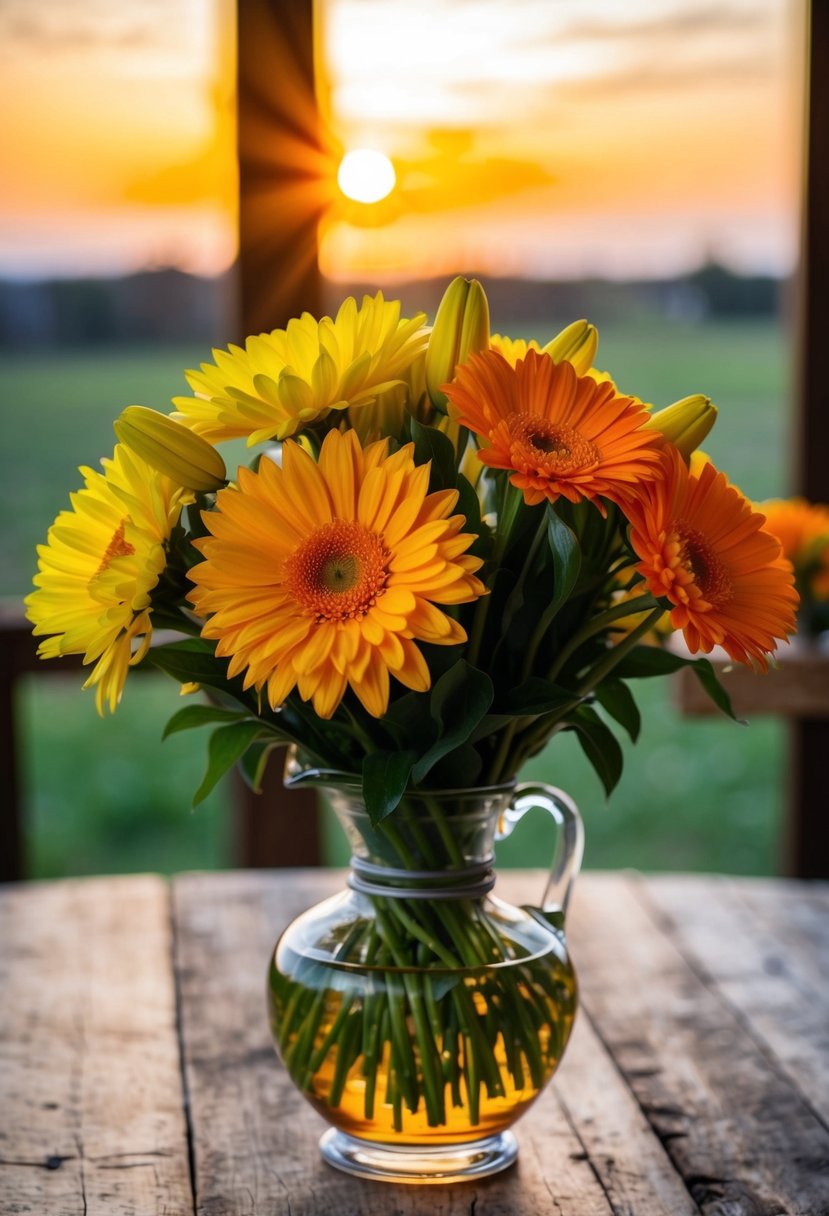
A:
[(366, 176)]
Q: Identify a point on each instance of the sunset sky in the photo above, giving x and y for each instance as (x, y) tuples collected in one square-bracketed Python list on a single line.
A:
[(616, 137)]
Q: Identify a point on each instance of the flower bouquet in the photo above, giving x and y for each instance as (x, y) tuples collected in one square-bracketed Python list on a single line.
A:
[(448, 547)]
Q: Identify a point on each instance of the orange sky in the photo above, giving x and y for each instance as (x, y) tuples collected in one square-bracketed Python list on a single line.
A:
[(566, 138)]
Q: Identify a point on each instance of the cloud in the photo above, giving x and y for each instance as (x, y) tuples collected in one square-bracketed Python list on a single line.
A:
[(684, 19), (55, 27)]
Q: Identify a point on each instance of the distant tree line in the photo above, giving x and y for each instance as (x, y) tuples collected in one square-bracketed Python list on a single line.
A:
[(710, 292), (170, 306), (150, 306)]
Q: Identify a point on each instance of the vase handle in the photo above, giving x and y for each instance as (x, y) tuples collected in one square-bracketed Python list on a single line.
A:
[(569, 838)]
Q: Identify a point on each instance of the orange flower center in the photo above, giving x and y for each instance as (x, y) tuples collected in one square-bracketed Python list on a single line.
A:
[(709, 573), (553, 446), (117, 547), (338, 572)]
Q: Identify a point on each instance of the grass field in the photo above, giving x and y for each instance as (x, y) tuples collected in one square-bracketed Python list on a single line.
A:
[(108, 797)]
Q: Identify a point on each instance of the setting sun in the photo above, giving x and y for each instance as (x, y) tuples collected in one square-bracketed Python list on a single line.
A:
[(366, 176)]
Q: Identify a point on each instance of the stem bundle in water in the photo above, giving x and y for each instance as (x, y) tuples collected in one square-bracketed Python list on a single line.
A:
[(416, 1019)]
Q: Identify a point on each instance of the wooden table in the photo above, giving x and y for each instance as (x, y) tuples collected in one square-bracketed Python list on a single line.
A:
[(138, 1074)]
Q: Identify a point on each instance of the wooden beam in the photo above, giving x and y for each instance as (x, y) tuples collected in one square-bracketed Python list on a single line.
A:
[(807, 845), (277, 827), (286, 175), (285, 171)]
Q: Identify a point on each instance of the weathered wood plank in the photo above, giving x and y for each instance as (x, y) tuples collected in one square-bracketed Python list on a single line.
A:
[(629, 1160), (255, 1139), (797, 687), (92, 1112), (737, 1129), (750, 947), (636, 1173)]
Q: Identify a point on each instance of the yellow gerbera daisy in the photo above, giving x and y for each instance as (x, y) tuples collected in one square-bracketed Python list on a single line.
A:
[(286, 379), (98, 569), (325, 575), (513, 349)]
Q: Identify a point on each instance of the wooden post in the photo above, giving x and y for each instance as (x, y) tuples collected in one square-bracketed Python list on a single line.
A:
[(286, 175), (807, 845), (286, 171)]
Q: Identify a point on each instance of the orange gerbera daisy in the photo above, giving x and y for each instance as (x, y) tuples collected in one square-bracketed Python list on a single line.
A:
[(560, 434), (703, 548), (803, 531), (320, 576)]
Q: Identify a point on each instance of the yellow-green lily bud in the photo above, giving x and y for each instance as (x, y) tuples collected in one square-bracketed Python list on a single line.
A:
[(171, 448), (577, 344), (461, 329), (685, 423)]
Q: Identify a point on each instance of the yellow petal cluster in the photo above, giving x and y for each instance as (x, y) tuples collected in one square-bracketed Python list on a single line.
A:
[(289, 378), (325, 575), (577, 343), (98, 569)]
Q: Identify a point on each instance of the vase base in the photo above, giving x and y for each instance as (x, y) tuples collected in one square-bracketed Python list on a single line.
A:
[(416, 1163)]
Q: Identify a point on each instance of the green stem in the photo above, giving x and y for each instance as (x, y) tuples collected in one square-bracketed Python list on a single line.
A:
[(510, 507), (616, 653), (453, 849), (595, 625), (347, 1051), (594, 677)]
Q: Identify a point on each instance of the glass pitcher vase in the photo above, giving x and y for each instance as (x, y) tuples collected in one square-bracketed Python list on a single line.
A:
[(417, 1012)]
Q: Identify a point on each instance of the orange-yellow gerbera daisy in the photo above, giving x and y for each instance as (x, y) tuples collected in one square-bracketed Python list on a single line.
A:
[(99, 567), (703, 548), (325, 575), (560, 434)]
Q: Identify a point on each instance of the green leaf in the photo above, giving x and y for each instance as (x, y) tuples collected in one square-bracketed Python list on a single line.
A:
[(385, 777), (194, 661), (227, 745), (600, 746), (197, 715), (538, 696), (616, 699), (707, 677), (488, 725), (469, 505), (460, 769), (432, 444), (566, 559), (459, 700), (253, 763), (645, 661)]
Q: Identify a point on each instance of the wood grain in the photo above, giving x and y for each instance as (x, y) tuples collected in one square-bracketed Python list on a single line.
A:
[(748, 944), (695, 1082), (737, 1127), (92, 1113)]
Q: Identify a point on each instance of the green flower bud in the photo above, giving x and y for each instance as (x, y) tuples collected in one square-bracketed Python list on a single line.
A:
[(461, 329), (577, 344), (685, 423), (171, 448)]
